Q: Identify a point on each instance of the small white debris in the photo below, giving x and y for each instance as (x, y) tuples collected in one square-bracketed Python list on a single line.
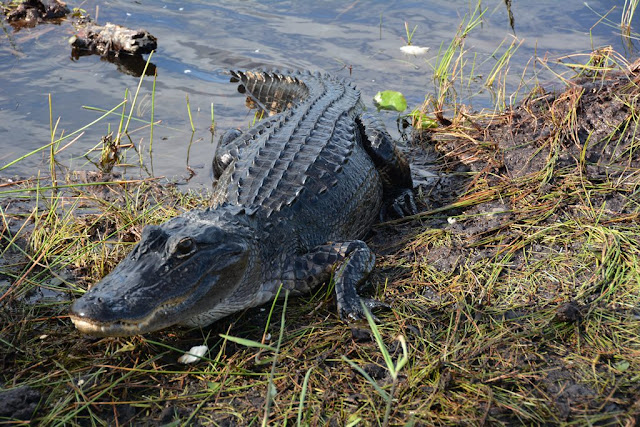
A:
[(81, 382), (128, 14), (256, 51), (193, 355), (181, 9), (414, 50), (187, 71), (43, 337), (451, 220)]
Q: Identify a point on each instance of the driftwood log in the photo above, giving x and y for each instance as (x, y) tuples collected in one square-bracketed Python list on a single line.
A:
[(114, 43), (31, 12), (112, 39)]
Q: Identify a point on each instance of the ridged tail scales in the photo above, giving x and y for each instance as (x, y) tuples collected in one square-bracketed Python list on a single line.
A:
[(273, 92)]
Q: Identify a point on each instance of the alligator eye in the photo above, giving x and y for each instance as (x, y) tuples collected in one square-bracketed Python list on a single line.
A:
[(185, 247)]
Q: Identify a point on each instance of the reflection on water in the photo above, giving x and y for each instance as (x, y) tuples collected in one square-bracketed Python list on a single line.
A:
[(200, 40), (133, 65)]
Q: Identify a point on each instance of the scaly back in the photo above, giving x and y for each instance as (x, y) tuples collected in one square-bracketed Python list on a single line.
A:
[(302, 148)]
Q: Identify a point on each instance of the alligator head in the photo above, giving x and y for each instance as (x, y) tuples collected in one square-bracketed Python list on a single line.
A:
[(180, 269)]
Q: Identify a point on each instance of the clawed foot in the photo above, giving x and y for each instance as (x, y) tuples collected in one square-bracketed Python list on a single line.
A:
[(402, 204), (354, 310)]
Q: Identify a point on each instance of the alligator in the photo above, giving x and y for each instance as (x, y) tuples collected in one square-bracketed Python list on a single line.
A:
[(293, 197)]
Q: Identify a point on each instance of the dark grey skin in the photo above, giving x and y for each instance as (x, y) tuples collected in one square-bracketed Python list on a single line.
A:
[(293, 198)]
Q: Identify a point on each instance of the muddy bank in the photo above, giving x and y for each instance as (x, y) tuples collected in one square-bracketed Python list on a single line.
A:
[(588, 133), (589, 126), (541, 213), (557, 156)]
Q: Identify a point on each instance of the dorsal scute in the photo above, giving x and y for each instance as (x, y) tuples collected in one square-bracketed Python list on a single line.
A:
[(301, 152)]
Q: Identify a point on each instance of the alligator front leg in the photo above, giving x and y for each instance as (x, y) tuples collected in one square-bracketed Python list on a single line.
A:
[(350, 262), (391, 165)]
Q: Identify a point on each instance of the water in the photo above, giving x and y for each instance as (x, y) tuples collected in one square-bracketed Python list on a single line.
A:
[(199, 40)]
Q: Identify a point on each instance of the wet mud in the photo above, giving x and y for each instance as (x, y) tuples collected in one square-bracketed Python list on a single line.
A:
[(19, 403)]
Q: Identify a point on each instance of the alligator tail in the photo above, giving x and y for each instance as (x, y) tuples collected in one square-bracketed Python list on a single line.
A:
[(273, 92)]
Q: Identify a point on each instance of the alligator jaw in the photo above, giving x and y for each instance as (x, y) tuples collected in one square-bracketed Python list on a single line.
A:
[(118, 328)]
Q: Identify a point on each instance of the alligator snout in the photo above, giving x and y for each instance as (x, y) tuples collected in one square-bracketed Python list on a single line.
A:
[(92, 308), (99, 314)]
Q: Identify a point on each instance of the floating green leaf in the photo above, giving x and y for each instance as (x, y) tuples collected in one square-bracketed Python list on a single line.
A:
[(390, 100)]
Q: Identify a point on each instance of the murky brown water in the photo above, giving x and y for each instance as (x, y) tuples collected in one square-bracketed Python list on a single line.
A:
[(199, 40)]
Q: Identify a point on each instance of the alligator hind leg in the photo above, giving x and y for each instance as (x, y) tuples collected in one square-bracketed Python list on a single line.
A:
[(391, 165), (350, 262)]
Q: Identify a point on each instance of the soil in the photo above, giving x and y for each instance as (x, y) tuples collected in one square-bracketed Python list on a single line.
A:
[(19, 403), (588, 130), (589, 125)]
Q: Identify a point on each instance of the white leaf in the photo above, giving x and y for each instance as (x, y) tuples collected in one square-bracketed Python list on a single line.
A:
[(194, 354), (414, 50)]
